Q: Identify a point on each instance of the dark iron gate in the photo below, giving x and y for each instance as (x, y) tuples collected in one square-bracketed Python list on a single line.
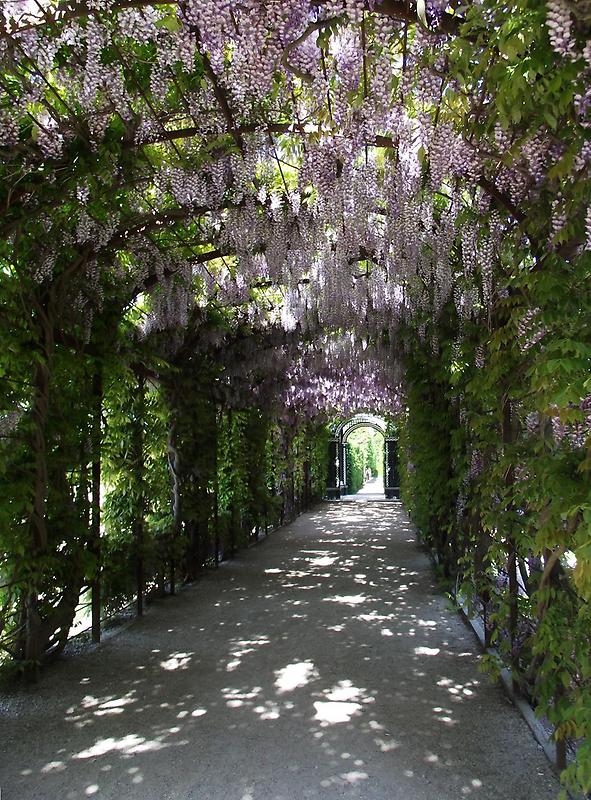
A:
[(337, 457)]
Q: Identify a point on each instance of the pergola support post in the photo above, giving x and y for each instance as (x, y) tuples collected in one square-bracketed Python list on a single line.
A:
[(333, 490), (391, 472)]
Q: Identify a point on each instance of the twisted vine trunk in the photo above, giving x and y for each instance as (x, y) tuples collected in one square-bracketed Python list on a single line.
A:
[(508, 436), (34, 640), (289, 510), (174, 465), (39, 414), (139, 469), (95, 530), (45, 625)]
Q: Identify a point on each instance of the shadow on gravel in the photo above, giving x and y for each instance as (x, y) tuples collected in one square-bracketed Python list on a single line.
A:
[(322, 662)]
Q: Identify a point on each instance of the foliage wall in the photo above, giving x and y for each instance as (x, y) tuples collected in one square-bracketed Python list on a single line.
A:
[(355, 468), (154, 474), (495, 457), (365, 454)]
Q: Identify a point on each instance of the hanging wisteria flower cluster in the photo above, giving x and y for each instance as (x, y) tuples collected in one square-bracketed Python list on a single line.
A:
[(298, 161)]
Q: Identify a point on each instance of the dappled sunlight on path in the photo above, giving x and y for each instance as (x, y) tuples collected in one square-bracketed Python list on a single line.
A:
[(322, 664)]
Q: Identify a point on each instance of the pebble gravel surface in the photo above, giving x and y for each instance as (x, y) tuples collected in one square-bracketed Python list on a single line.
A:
[(323, 663)]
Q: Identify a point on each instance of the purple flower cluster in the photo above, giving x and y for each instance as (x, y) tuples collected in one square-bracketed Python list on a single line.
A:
[(559, 24)]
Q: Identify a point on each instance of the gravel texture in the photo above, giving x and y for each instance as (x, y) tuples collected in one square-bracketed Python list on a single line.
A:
[(322, 664)]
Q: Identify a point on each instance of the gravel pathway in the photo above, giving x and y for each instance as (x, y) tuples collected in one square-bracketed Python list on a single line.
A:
[(322, 664)]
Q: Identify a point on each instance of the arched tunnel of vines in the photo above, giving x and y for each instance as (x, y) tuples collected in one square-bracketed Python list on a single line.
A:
[(295, 399)]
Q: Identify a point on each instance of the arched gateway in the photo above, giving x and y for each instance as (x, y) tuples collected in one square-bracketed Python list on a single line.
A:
[(337, 456)]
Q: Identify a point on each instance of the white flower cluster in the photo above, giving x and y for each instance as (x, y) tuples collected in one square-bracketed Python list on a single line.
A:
[(138, 24), (530, 329), (559, 216), (49, 139), (8, 129), (187, 188), (535, 152), (43, 270), (96, 39), (559, 24), (440, 154), (9, 422)]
